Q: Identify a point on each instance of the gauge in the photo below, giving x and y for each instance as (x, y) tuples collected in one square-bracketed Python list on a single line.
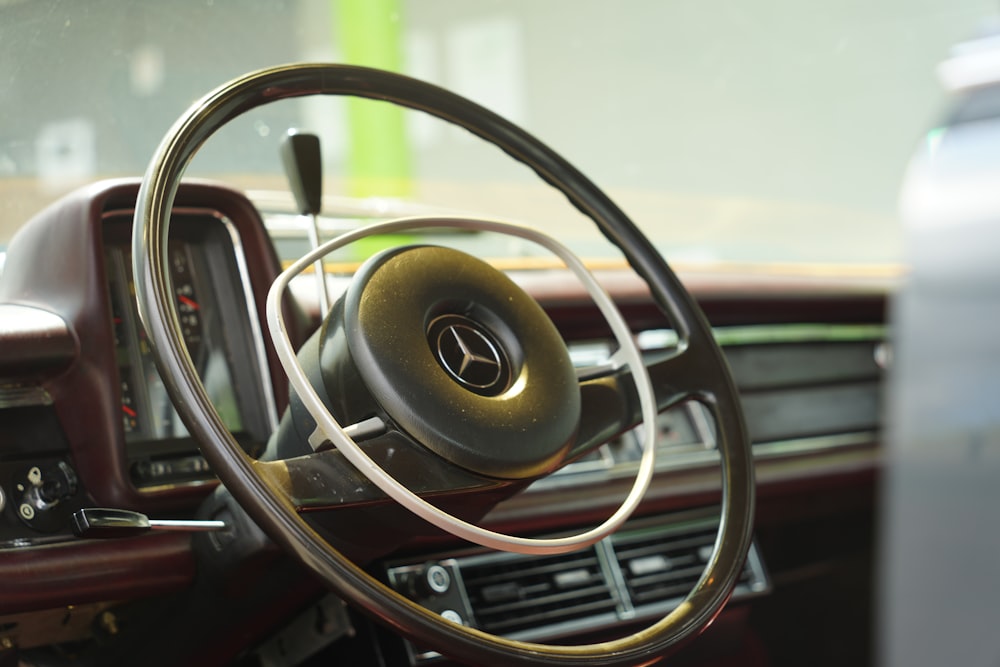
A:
[(118, 321), (130, 416), (164, 422), (119, 326), (188, 308)]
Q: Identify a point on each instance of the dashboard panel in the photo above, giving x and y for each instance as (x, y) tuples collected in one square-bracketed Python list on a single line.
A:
[(89, 420)]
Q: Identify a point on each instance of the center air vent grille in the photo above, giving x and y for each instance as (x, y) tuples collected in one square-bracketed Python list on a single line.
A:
[(638, 574), (515, 594)]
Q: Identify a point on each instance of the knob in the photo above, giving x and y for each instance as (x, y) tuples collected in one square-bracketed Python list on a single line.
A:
[(434, 579), (46, 487), (453, 616), (58, 483)]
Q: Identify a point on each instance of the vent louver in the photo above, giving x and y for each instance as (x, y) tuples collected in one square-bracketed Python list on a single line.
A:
[(661, 568), (658, 569), (516, 594)]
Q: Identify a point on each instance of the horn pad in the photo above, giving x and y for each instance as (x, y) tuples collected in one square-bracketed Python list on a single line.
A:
[(463, 360)]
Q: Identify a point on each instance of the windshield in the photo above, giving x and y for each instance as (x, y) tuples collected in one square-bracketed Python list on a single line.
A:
[(772, 131)]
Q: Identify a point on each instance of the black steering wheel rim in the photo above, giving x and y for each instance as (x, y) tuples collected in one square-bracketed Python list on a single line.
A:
[(276, 515)]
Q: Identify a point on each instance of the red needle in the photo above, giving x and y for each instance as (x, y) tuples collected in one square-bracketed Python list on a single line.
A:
[(190, 303), (129, 411)]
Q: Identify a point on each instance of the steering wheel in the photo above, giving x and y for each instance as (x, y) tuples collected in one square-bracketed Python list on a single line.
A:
[(570, 415)]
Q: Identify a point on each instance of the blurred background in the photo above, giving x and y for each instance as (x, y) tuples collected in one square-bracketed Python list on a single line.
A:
[(766, 131)]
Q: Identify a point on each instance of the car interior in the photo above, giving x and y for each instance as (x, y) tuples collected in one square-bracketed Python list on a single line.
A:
[(407, 333)]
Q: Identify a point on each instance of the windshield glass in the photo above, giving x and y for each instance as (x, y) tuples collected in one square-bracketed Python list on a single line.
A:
[(750, 132)]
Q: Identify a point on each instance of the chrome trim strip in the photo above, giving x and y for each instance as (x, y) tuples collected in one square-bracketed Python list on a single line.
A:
[(758, 334), (608, 560), (769, 334), (160, 488), (677, 461), (805, 446), (20, 396), (255, 329), (699, 415), (760, 583)]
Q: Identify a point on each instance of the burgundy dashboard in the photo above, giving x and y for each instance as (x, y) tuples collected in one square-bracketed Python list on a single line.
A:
[(85, 421)]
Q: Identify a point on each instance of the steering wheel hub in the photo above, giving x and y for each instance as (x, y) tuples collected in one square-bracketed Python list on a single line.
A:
[(470, 354), (446, 343)]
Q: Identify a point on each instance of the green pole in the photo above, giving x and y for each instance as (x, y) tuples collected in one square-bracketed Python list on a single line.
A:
[(378, 161)]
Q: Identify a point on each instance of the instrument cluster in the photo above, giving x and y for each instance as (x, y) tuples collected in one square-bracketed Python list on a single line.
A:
[(222, 337)]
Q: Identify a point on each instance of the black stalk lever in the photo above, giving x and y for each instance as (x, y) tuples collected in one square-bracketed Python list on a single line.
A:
[(303, 163), (100, 522)]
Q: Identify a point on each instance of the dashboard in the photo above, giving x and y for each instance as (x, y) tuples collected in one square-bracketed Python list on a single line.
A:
[(85, 421)]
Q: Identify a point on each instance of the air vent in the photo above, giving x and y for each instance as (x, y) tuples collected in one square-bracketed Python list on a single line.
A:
[(512, 594), (656, 568), (661, 566), (641, 573)]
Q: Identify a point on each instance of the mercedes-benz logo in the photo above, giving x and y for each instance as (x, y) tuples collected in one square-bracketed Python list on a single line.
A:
[(469, 355)]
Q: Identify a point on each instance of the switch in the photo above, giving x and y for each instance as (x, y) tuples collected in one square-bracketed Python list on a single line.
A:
[(41, 489), (58, 483), (438, 579)]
